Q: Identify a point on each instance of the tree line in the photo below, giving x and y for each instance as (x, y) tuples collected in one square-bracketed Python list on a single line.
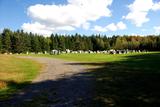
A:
[(22, 42)]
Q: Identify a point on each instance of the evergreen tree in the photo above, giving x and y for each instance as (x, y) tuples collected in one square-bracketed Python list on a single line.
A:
[(61, 43), (121, 43), (158, 43), (47, 46), (6, 41), (35, 45), (77, 43), (54, 42), (27, 41), (21, 42), (18, 42)]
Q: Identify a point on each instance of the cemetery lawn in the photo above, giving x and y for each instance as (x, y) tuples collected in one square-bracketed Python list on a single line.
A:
[(88, 57), (125, 80), (15, 73)]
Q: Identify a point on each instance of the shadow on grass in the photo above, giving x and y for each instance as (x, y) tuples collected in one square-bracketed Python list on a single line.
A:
[(71, 90), (9, 87), (133, 82)]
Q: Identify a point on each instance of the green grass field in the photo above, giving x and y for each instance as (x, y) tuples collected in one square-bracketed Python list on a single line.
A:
[(89, 57), (126, 80), (15, 73), (130, 80)]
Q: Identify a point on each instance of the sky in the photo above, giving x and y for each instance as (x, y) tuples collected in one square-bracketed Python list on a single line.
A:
[(110, 17)]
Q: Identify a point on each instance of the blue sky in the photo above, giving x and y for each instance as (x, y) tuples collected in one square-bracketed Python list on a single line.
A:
[(110, 17)]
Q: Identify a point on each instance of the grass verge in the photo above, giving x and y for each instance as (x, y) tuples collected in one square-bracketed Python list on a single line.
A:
[(15, 73)]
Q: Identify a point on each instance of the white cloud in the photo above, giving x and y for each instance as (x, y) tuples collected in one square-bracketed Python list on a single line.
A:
[(111, 27), (86, 26), (43, 29), (68, 28), (121, 25), (157, 29), (139, 10), (75, 14), (99, 29), (37, 28), (156, 6)]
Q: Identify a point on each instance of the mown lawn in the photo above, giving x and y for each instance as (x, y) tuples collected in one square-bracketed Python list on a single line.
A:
[(89, 57), (131, 80), (15, 73)]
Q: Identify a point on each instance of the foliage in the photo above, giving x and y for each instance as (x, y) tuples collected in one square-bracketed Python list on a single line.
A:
[(22, 42)]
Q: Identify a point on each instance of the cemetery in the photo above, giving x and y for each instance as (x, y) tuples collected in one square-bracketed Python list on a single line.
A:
[(79, 53)]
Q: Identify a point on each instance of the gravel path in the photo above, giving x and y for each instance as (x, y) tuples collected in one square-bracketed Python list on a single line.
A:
[(60, 84)]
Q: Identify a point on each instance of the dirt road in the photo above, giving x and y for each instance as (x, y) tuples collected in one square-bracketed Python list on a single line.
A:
[(60, 84)]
